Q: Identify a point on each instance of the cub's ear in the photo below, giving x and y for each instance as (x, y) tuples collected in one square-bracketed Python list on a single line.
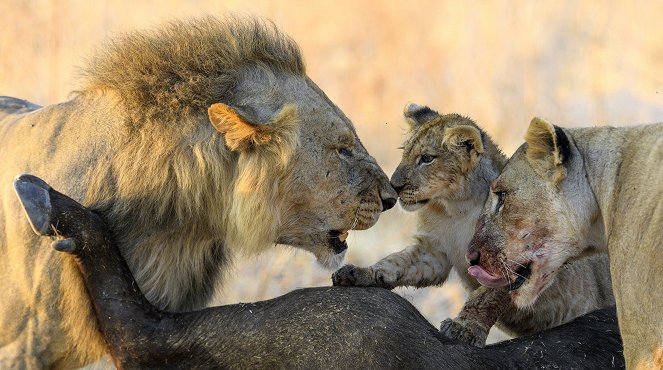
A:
[(416, 115), (548, 148), (243, 130), (465, 136)]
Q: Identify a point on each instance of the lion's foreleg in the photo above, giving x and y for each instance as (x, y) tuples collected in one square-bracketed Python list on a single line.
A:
[(479, 314), (417, 265)]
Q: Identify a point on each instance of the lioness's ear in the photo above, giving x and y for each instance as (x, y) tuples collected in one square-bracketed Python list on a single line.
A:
[(465, 136), (416, 115), (241, 131), (548, 148)]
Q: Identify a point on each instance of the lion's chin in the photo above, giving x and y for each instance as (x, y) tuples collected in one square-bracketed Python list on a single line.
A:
[(527, 294), (328, 247), (331, 261), (410, 206)]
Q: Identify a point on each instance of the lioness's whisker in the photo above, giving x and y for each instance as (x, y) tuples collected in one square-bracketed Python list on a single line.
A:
[(508, 277), (517, 263), (513, 272)]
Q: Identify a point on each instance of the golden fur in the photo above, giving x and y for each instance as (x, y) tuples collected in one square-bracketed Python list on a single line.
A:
[(194, 141), (656, 363), (186, 66), (571, 192)]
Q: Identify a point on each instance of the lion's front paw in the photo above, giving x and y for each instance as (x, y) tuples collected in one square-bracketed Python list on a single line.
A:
[(349, 275), (463, 331)]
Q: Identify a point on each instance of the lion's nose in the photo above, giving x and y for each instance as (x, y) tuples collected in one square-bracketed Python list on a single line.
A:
[(388, 203), (473, 257)]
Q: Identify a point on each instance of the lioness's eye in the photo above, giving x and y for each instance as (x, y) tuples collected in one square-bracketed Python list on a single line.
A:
[(500, 200), (426, 158), (345, 152)]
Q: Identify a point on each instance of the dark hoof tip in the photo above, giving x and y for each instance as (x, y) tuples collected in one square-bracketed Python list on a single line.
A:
[(26, 177), (64, 245), (33, 194)]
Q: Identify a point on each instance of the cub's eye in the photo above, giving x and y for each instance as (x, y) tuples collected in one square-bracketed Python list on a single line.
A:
[(425, 159), (345, 152), (500, 200)]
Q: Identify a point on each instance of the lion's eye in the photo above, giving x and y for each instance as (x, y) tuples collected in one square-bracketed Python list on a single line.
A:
[(345, 152), (500, 200), (425, 159)]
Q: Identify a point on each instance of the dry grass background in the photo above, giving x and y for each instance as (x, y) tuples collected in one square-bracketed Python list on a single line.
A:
[(501, 62)]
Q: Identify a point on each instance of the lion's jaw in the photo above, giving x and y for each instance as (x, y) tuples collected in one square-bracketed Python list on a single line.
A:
[(330, 185), (536, 227)]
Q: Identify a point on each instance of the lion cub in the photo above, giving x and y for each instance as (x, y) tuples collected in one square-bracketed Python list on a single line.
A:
[(447, 167)]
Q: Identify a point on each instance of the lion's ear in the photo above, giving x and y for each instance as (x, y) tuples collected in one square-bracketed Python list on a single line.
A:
[(243, 130), (466, 136), (548, 148), (416, 115)]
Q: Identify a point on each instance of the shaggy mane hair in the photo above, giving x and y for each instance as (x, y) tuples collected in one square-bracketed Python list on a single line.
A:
[(174, 195), (180, 69)]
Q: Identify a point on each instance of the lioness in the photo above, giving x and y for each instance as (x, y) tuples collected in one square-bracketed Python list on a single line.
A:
[(447, 166), (279, 163), (566, 192)]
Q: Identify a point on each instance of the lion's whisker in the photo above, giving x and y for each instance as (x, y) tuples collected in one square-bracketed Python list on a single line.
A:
[(508, 278), (513, 272), (356, 220), (517, 263)]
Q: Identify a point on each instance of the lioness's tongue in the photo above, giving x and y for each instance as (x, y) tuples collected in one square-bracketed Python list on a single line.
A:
[(486, 279)]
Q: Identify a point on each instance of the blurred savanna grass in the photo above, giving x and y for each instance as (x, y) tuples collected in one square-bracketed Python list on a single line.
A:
[(573, 62)]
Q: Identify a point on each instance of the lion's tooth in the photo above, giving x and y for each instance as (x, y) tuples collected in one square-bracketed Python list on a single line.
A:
[(343, 235)]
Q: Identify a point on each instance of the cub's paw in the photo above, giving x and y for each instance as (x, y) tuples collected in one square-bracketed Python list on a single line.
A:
[(351, 275), (464, 331)]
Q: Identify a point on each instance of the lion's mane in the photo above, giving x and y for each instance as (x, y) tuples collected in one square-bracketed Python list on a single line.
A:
[(170, 170), (178, 70)]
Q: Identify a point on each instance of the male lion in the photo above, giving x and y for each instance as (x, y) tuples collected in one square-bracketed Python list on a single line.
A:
[(567, 192), (447, 166), (279, 163)]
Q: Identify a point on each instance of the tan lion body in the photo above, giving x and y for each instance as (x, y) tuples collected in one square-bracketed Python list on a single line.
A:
[(596, 187), (624, 171), (279, 163), (454, 187)]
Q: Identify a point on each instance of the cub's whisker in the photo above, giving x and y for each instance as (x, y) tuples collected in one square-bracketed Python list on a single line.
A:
[(356, 220)]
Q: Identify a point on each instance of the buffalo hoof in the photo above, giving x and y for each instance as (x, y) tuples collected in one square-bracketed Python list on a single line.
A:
[(34, 195)]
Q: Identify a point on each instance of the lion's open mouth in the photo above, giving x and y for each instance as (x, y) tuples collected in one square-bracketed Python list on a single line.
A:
[(521, 275), (337, 240), (492, 280), (487, 278)]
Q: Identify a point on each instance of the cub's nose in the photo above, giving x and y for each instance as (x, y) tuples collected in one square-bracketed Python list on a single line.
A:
[(397, 188), (473, 257), (388, 203)]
